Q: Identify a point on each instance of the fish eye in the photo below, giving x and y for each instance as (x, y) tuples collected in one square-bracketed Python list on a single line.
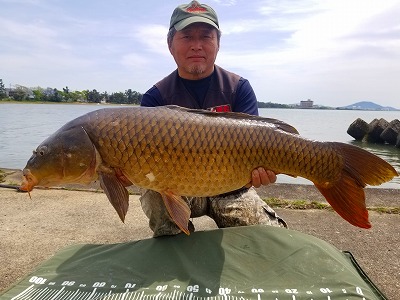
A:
[(41, 151)]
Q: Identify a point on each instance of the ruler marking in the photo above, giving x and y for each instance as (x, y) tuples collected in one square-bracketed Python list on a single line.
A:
[(174, 295), (50, 293), (73, 294), (129, 295), (93, 292), (83, 295), (29, 294), (53, 292), (77, 294), (58, 293), (113, 296), (134, 294), (40, 292), (141, 295), (66, 295), (24, 291)]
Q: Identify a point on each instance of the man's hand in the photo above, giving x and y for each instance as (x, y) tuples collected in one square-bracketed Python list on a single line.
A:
[(260, 176)]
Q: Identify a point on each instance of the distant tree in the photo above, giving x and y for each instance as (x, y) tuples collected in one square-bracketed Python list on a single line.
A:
[(3, 93), (271, 105), (38, 94), (20, 93), (105, 97), (133, 96), (119, 98), (56, 96), (93, 96), (66, 95), (76, 96)]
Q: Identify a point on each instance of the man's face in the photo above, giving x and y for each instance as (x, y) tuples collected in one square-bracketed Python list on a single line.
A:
[(195, 49)]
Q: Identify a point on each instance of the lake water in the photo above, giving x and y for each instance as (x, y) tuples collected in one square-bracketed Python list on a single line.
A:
[(24, 126)]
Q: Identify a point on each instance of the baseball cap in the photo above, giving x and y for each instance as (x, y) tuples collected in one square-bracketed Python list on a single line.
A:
[(193, 12)]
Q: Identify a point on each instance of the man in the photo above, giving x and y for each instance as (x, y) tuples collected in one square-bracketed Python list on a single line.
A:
[(193, 41)]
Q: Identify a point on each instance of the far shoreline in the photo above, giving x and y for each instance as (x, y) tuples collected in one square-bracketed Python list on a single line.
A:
[(61, 103)]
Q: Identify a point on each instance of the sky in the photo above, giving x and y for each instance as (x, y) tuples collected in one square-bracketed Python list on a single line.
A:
[(334, 52)]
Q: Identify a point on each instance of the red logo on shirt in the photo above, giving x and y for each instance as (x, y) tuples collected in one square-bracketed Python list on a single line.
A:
[(221, 108)]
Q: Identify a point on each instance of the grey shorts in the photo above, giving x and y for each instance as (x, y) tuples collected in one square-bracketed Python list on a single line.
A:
[(241, 208)]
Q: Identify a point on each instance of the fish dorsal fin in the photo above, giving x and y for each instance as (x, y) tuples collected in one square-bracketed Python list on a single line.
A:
[(237, 116)]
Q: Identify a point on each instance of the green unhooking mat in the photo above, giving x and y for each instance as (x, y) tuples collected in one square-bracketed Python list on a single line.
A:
[(253, 262)]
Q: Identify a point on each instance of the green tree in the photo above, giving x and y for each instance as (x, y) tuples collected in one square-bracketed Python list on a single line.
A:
[(105, 97), (133, 96), (38, 94), (66, 94), (271, 105), (93, 96), (55, 96), (20, 93), (119, 98), (3, 93), (76, 96)]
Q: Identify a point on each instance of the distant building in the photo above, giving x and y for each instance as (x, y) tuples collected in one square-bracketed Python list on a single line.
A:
[(306, 104)]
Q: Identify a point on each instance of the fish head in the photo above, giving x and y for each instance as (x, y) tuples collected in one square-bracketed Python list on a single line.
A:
[(67, 156)]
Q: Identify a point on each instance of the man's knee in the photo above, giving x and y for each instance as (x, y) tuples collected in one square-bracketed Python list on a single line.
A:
[(244, 208)]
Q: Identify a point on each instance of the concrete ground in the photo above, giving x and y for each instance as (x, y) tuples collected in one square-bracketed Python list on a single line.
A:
[(31, 231)]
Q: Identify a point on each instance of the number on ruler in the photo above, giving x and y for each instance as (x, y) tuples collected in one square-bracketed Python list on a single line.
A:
[(99, 284), (37, 280), (129, 285)]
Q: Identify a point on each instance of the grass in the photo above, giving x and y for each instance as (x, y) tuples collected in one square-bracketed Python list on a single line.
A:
[(2, 176), (296, 204), (386, 210), (304, 204)]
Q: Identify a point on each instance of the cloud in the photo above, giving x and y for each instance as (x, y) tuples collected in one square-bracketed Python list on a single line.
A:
[(320, 49), (153, 37)]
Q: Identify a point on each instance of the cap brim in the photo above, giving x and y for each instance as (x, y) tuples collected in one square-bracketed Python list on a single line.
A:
[(196, 19)]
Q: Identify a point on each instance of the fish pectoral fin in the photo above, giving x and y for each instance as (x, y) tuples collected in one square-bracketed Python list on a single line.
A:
[(116, 193), (178, 210)]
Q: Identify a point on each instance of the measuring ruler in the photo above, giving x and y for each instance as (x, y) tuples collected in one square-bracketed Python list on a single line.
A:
[(44, 289), (250, 262)]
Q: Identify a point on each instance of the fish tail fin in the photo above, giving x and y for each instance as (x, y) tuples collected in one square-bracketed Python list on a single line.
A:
[(346, 196)]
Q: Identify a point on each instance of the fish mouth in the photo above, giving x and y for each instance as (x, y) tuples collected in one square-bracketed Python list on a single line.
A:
[(28, 181)]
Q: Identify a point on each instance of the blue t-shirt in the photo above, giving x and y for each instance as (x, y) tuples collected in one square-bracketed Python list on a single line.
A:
[(245, 101)]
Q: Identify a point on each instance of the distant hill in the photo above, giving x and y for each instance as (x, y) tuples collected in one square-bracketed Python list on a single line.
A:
[(367, 105)]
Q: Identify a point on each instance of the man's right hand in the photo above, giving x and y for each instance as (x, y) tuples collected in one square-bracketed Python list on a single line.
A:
[(260, 176)]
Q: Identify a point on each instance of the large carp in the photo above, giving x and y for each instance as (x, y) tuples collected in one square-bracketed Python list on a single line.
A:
[(183, 152)]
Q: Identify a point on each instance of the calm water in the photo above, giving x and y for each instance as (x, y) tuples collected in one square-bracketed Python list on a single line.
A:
[(25, 126)]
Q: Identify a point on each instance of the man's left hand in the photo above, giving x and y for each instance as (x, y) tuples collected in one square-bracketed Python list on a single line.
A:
[(260, 176)]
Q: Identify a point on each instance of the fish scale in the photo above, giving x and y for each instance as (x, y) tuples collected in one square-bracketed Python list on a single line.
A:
[(182, 152), (191, 142)]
